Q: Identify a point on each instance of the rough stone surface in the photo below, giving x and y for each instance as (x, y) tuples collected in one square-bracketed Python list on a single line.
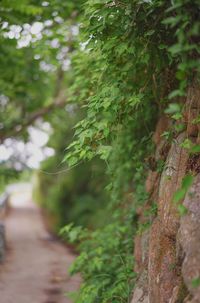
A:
[(163, 274), (168, 260), (162, 125), (192, 110), (189, 238), (162, 264), (141, 251), (170, 182), (151, 180), (2, 241), (175, 295), (140, 294)]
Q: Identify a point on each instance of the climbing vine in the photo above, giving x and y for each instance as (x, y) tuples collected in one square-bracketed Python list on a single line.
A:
[(112, 67), (135, 58)]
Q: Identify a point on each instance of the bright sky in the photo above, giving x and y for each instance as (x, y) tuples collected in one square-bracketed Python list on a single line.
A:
[(34, 151), (30, 153)]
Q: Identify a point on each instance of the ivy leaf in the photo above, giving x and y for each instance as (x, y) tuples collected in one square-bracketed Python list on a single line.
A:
[(182, 210), (179, 195), (173, 108), (196, 282), (176, 93), (180, 127), (187, 182), (172, 21), (150, 32), (71, 160), (187, 144), (64, 230), (177, 116), (135, 100), (104, 151), (175, 49), (195, 149)]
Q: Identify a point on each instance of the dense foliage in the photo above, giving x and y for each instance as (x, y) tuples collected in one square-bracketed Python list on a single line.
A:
[(125, 67), (69, 195), (142, 54)]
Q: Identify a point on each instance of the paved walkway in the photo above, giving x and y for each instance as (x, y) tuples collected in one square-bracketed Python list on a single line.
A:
[(35, 270)]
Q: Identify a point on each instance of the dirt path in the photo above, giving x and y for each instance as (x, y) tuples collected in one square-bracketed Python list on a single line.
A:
[(35, 270)]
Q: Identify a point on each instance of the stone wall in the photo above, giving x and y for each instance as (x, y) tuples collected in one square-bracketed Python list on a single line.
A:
[(167, 255), (2, 242), (3, 209)]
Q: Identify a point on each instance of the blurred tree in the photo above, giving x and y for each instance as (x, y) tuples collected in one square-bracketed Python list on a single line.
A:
[(69, 195), (36, 40)]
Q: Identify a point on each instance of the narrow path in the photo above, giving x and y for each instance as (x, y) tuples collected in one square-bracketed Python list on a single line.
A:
[(35, 270)]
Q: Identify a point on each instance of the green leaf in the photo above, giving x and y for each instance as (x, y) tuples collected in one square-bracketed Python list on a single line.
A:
[(104, 151), (187, 182), (150, 32), (135, 100), (72, 160), (179, 195), (176, 93), (173, 108), (195, 149), (175, 49), (172, 21), (64, 230), (167, 135), (196, 282), (180, 127), (187, 144), (182, 210), (177, 116)]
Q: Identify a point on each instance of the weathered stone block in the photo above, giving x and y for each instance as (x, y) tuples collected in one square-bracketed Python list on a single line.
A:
[(192, 110), (161, 126), (2, 241), (163, 277), (170, 182), (140, 294), (189, 239)]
